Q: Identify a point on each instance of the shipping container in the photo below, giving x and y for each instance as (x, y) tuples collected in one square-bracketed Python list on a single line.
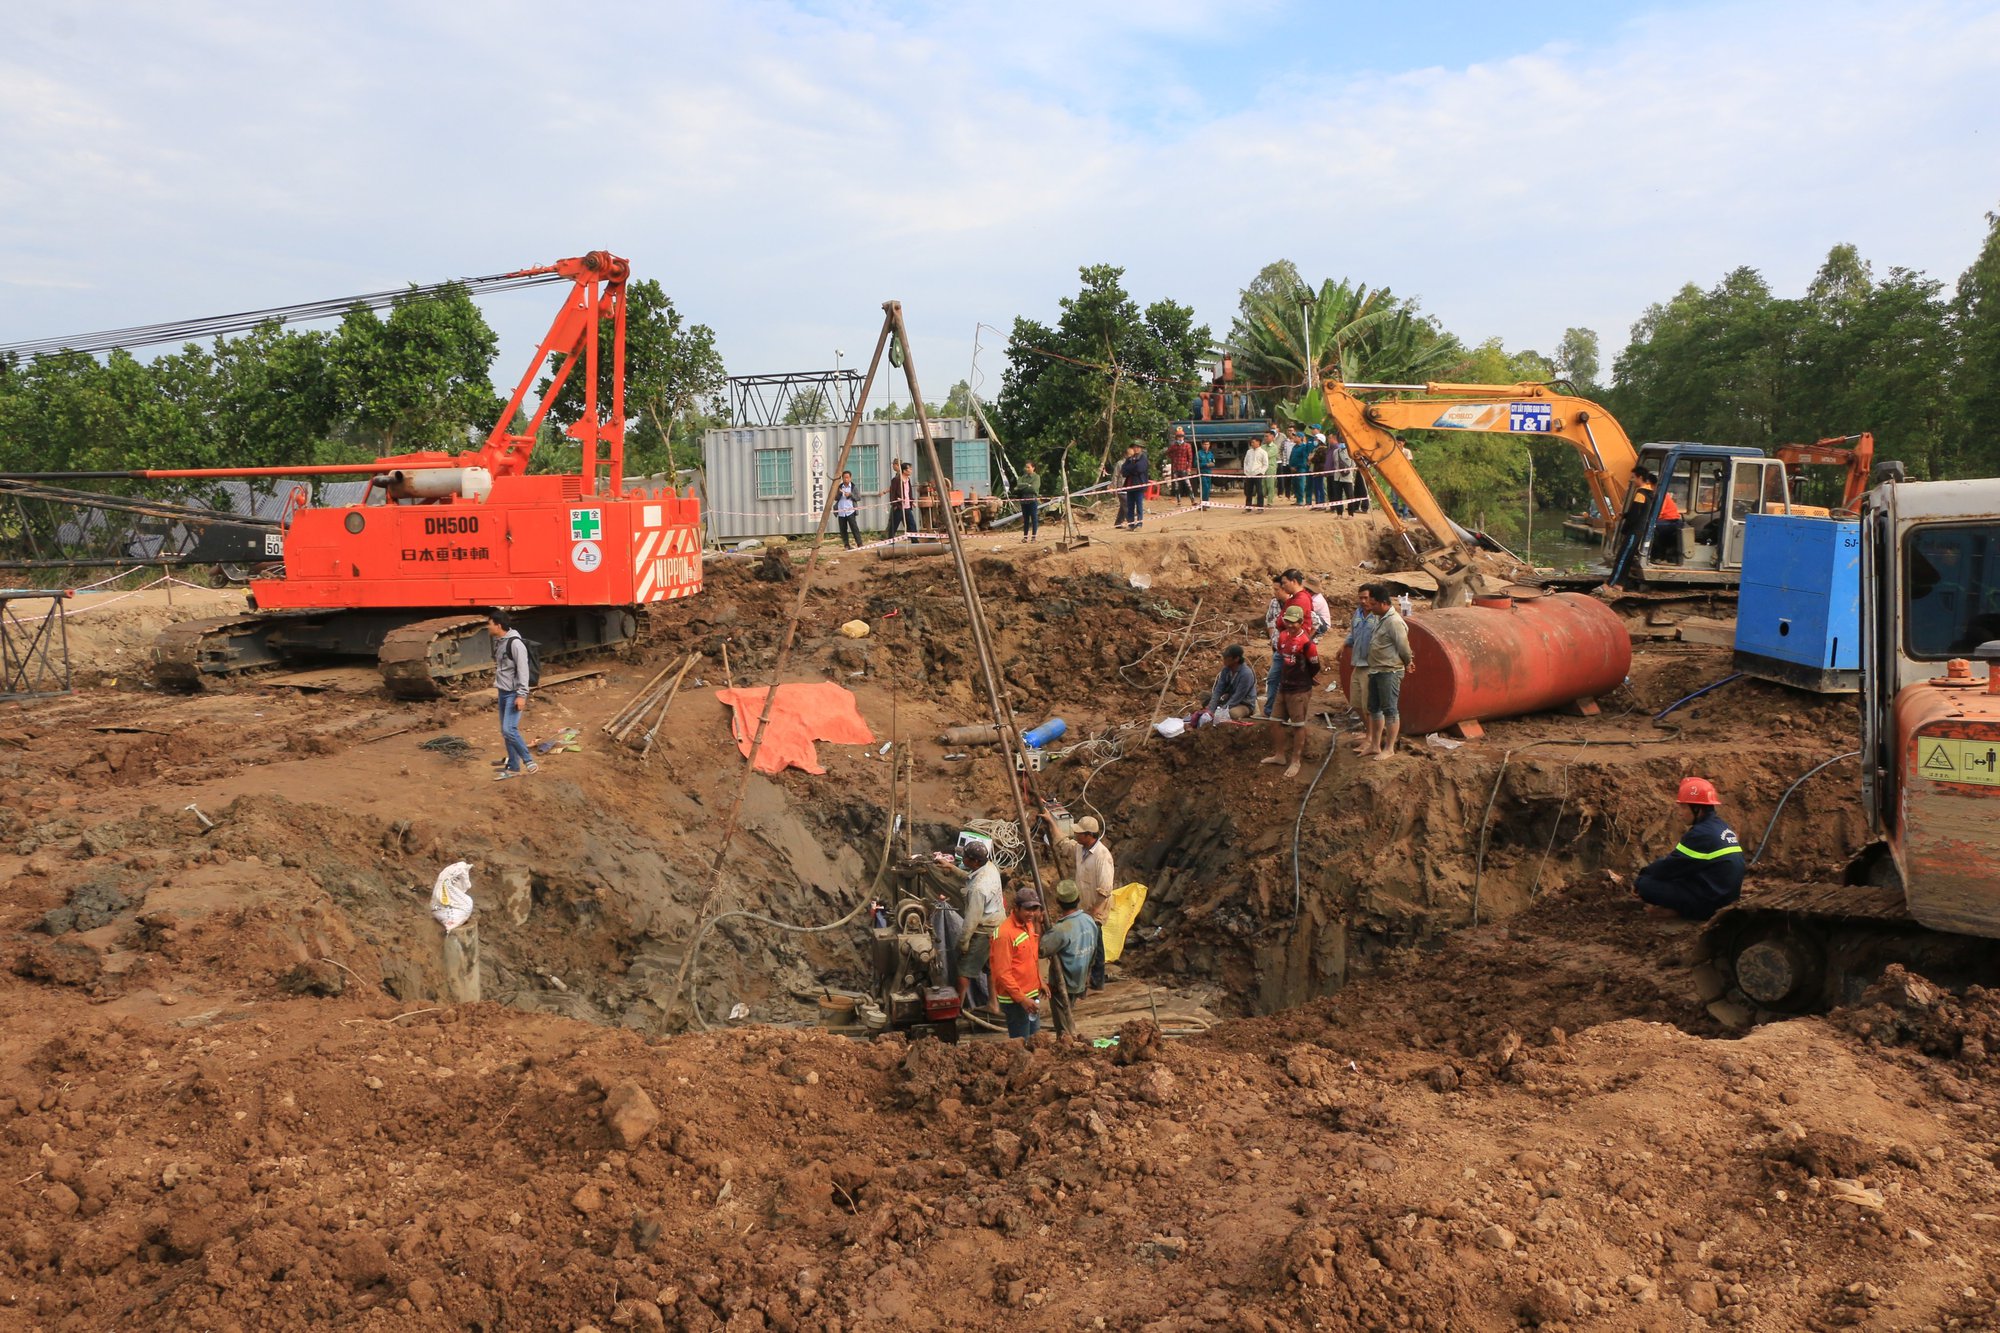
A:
[(764, 481)]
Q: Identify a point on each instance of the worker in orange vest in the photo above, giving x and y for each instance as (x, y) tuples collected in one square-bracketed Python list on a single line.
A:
[(1016, 964), (1667, 532)]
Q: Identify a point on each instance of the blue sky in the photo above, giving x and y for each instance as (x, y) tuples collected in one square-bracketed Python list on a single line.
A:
[(782, 168)]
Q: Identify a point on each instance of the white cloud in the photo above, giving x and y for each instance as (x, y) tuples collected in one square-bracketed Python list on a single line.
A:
[(784, 168)]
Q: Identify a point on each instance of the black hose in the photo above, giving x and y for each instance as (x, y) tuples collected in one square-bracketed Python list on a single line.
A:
[(1734, 675), (1851, 754)]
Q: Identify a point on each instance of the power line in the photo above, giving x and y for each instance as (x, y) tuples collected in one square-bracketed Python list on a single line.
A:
[(196, 330)]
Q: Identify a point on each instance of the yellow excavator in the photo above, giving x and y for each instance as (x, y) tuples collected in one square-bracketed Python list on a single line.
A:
[(1682, 530)]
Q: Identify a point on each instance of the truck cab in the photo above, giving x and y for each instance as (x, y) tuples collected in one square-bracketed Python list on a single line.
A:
[(1930, 616), (1714, 489)]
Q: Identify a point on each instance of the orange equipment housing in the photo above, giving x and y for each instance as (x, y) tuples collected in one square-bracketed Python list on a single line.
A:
[(476, 530), (1856, 453), (437, 535)]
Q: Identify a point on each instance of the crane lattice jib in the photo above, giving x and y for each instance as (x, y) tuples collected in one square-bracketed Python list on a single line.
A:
[(598, 294)]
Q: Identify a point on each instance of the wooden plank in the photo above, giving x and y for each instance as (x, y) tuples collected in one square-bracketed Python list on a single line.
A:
[(565, 678), (1715, 633)]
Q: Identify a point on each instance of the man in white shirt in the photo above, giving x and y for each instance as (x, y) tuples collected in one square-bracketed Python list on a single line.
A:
[(985, 909), (1095, 875), (1255, 462)]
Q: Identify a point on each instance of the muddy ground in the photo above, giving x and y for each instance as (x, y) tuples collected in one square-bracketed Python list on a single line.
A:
[(233, 1096)]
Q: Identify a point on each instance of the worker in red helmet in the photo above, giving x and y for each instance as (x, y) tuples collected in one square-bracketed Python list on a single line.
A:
[(1704, 872)]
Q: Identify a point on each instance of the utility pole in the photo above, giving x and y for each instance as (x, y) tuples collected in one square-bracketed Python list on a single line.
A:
[(1307, 303)]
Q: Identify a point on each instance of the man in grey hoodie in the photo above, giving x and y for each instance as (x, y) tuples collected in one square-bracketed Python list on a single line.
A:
[(510, 680)]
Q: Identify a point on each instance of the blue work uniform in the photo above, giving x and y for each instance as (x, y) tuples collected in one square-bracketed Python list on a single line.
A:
[(1702, 874)]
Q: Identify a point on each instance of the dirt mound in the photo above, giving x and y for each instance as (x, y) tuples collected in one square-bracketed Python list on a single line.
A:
[(111, 633), (318, 1159), (237, 1097)]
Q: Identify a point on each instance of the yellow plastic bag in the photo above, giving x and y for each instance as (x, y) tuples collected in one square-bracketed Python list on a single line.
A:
[(1125, 905)]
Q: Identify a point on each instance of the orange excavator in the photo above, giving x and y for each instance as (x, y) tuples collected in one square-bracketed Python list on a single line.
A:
[(406, 574), (1854, 453), (1684, 530)]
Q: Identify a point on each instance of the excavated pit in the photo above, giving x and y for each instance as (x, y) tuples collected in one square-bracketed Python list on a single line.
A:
[(236, 1094)]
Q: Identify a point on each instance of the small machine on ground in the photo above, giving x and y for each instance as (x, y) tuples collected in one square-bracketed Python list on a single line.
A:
[(910, 986)]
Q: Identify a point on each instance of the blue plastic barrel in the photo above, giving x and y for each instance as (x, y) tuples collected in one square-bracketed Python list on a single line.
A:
[(1045, 733)]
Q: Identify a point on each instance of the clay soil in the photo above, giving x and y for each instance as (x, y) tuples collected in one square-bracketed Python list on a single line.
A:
[(1450, 1078)]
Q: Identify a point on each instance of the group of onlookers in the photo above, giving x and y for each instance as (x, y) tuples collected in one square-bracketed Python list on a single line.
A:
[(1296, 618), (1307, 467)]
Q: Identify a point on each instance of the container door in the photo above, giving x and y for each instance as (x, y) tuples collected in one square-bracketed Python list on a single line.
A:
[(1756, 486)]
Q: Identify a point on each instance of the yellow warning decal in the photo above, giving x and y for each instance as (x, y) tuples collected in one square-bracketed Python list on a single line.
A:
[(1949, 759)]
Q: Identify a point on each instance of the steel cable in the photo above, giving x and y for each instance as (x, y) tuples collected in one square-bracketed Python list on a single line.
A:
[(192, 330)]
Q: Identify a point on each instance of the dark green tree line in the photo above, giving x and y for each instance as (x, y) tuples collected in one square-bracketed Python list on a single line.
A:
[(1106, 374), (418, 376), (1857, 351)]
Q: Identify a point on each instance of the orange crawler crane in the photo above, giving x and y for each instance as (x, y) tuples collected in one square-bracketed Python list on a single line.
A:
[(407, 574)]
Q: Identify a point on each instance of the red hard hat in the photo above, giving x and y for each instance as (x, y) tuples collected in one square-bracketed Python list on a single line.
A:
[(1698, 791)]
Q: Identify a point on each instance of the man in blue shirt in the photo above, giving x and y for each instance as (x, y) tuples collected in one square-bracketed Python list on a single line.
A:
[(1070, 943), (1133, 474), (1704, 872), (1234, 696), (1301, 461)]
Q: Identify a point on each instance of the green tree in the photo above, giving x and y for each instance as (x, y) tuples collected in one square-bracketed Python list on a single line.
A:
[(957, 403), (1113, 366), (1870, 355), (1286, 332), (418, 379), (806, 408), (673, 377), (1707, 365), (1975, 380), (69, 411), (1577, 360), (271, 399), (1737, 365)]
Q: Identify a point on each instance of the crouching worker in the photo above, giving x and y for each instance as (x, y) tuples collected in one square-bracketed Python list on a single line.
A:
[(1017, 964), (1704, 872), (1069, 946), (1235, 694)]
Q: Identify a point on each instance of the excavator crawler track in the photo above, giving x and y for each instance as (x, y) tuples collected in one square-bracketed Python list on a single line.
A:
[(420, 660), (422, 653), (1803, 948), (196, 653)]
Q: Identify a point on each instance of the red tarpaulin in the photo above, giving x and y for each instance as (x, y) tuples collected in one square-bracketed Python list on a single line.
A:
[(803, 714)]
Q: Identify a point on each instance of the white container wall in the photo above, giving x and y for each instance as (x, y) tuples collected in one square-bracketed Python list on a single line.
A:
[(764, 481)]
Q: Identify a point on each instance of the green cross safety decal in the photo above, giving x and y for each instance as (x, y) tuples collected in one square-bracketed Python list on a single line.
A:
[(585, 524)]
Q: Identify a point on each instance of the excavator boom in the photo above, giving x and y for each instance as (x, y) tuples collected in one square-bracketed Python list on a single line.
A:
[(1856, 453), (1370, 428)]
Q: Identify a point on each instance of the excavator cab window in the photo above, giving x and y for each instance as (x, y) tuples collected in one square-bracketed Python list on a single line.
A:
[(1953, 589), (1701, 538)]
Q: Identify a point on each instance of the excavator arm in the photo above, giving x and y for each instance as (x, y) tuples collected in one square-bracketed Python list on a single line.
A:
[(1370, 428), (1856, 453)]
